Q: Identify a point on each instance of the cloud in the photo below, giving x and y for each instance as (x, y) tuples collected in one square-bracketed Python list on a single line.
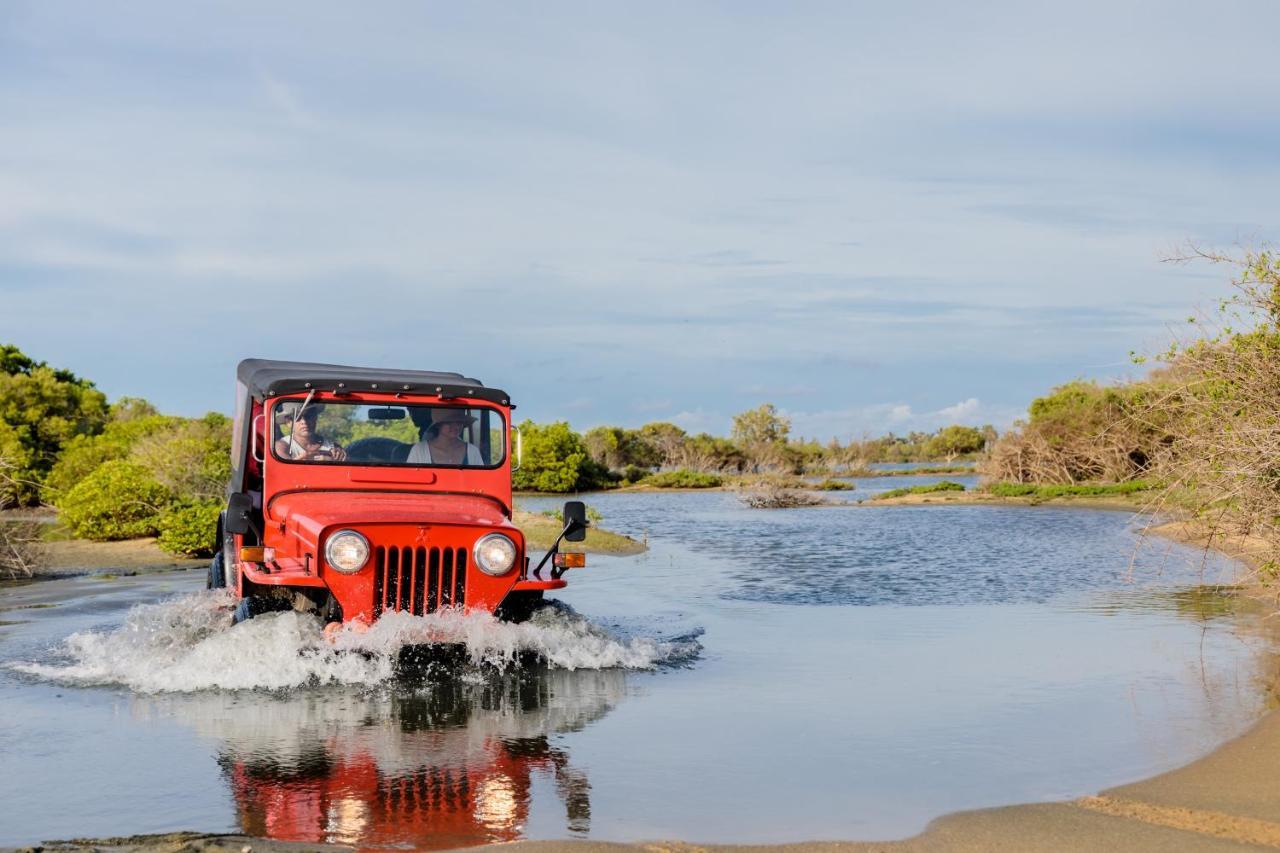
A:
[(965, 410), (881, 418), (285, 99)]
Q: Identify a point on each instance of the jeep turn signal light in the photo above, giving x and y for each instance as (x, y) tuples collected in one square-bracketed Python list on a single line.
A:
[(257, 554), (570, 560)]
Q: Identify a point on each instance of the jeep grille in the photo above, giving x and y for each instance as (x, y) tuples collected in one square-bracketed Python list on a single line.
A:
[(418, 580)]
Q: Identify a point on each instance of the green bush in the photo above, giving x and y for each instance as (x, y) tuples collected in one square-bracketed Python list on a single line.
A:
[(1012, 490), (41, 409), (191, 529), (683, 478), (555, 459), (928, 488), (15, 468), (1060, 490), (634, 474), (120, 500), (82, 455), (192, 458), (830, 485)]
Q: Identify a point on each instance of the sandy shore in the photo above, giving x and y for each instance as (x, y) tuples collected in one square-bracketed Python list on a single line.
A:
[(1133, 503)]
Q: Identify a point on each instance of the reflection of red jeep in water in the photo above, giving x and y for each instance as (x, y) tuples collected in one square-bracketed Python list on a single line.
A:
[(350, 799), (359, 491), (463, 762)]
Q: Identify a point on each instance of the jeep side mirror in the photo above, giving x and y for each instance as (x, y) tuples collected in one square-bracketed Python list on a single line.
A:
[(239, 514), (575, 521)]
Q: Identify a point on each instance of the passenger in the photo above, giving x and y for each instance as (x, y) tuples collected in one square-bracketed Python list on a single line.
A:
[(301, 441), (442, 442)]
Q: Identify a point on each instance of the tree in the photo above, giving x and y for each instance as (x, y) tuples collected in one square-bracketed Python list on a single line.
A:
[(704, 452), (667, 441), (761, 425), (554, 458), (954, 441), (762, 435), (41, 409)]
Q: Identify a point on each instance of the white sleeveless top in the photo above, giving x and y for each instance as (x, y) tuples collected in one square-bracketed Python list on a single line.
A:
[(420, 454)]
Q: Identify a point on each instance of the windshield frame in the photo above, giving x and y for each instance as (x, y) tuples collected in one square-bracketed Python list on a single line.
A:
[(471, 406)]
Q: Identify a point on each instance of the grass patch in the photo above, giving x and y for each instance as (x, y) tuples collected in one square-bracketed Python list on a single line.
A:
[(540, 531), (683, 478), (1064, 490), (830, 485), (927, 489)]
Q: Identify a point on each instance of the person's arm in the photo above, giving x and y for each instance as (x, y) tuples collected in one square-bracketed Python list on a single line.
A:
[(327, 451), (419, 454)]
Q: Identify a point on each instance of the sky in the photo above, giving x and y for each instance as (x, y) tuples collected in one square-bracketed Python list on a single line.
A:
[(879, 217)]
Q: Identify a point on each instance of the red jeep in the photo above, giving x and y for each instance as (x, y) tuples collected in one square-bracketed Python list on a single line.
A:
[(356, 491)]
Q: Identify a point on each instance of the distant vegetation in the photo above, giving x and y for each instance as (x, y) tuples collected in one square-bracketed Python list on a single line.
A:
[(927, 488), (683, 478)]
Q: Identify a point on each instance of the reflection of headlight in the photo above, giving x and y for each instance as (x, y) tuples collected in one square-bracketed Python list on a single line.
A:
[(496, 804), (347, 551), (495, 554)]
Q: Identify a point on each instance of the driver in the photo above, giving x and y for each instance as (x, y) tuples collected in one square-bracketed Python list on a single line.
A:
[(301, 441), (442, 442)]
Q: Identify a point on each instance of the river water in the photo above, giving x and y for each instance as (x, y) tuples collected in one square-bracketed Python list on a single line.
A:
[(756, 676)]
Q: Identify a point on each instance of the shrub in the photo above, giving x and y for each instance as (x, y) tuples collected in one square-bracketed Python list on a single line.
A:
[(1059, 490), (554, 459), (41, 408), (84, 453), (120, 500), (1084, 432), (634, 474), (834, 486), (20, 548), (190, 529), (1012, 490), (926, 489), (683, 478), (191, 458), (15, 468)]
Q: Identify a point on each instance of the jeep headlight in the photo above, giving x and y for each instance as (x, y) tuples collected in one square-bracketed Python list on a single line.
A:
[(347, 551), (495, 554)]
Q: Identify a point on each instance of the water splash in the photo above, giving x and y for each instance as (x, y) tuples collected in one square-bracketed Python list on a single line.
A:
[(188, 644)]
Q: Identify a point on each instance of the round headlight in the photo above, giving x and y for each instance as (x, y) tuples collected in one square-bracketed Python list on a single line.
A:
[(347, 551), (495, 554)]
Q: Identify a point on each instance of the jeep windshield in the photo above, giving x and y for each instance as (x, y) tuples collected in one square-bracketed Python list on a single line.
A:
[(337, 433)]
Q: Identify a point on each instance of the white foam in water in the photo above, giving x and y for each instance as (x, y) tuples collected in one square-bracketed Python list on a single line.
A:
[(188, 643)]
